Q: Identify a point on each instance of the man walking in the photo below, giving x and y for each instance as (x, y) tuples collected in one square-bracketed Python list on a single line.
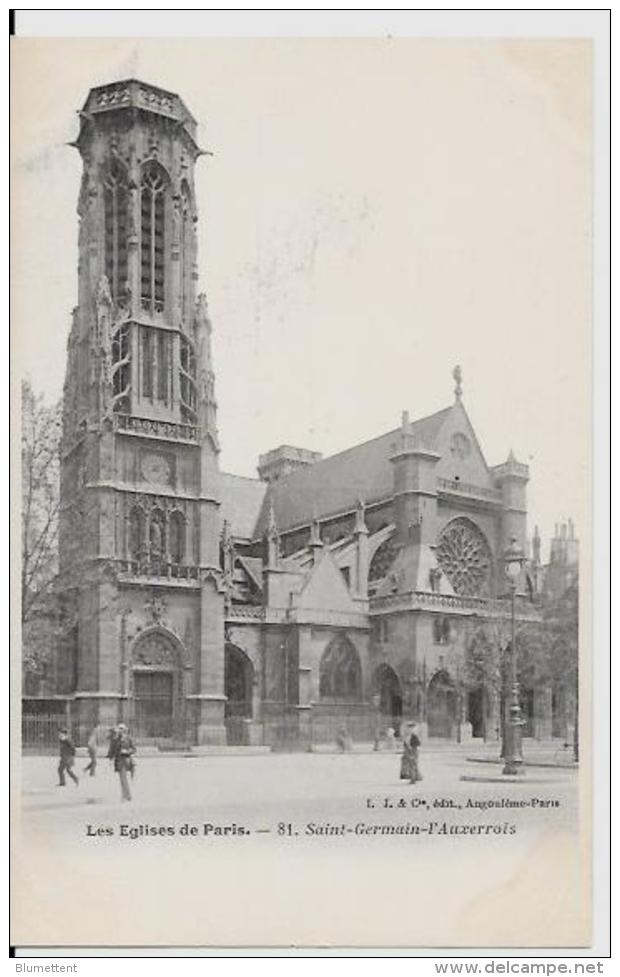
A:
[(122, 751), (67, 757), (91, 746)]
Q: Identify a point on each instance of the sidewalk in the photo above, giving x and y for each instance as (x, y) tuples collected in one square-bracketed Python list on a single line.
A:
[(536, 753)]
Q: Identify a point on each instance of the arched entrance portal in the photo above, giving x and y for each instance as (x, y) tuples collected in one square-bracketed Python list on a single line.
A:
[(238, 685), (157, 687), (441, 706), (388, 688)]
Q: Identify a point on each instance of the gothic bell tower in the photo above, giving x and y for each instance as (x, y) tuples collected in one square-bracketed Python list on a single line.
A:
[(139, 580)]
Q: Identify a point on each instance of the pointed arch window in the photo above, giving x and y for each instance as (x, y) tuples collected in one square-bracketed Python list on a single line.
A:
[(153, 188), (185, 243), (115, 209), (121, 369), (155, 363), (340, 672)]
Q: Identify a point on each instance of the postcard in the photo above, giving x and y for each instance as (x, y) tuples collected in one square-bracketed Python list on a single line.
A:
[(302, 345)]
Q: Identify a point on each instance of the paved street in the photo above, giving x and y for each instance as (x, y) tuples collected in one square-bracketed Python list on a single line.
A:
[(262, 790), (314, 863)]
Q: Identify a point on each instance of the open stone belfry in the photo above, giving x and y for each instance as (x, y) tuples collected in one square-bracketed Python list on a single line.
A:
[(206, 608)]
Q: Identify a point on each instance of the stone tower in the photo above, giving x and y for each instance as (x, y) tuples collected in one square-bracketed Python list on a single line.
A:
[(140, 583)]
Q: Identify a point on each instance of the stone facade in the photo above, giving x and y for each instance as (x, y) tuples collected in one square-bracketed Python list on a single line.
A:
[(330, 593), (140, 576)]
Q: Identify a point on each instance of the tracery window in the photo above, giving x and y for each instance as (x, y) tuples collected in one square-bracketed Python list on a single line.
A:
[(465, 557), (340, 673), (152, 237), (121, 368), (156, 364), (115, 209)]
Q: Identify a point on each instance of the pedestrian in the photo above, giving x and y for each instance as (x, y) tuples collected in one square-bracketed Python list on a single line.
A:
[(410, 764), (91, 747), (122, 752), (342, 739), (67, 757)]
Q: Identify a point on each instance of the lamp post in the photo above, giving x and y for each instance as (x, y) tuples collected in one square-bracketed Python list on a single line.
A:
[(513, 757)]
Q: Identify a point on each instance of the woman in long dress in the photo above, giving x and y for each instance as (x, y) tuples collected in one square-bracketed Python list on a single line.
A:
[(410, 765)]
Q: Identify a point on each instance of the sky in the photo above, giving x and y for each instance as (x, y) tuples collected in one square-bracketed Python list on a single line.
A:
[(375, 211)]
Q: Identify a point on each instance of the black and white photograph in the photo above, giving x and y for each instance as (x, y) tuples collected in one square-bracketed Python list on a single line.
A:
[(302, 378)]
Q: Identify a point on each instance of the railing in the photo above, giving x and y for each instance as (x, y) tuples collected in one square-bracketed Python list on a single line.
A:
[(168, 430), (168, 571), (422, 601), (133, 93), (245, 612), (155, 307), (484, 606), (162, 731), (466, 488), (40, 732)]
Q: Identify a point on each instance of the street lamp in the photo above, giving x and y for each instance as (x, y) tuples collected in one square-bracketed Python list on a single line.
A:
[(513, 757)]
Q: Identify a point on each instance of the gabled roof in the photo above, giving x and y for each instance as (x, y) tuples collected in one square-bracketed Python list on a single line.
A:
[(334, 485), (241, 500), (324, 587)]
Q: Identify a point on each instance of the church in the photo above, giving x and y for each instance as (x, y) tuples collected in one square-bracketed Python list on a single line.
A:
[(326, 596)]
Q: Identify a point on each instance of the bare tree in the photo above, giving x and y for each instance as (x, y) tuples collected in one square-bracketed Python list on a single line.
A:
[(41, 428)]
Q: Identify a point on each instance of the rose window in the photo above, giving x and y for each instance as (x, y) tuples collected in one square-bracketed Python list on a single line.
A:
[(464, 556)]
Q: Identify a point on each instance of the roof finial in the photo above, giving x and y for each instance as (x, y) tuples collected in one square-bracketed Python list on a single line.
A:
[(457, 374), (360, 521)]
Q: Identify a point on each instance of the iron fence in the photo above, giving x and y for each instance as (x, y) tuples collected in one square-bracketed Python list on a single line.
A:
[(40, 732)]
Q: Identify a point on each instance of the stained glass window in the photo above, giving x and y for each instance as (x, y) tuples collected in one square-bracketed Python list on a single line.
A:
[(465, 557)]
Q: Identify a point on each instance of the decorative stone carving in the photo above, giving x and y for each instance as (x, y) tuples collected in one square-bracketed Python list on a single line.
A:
[(215, 576), (154, 650), (156, 468), (273, 541), (435, 576), (156, 608), (457, 375), (360, 519), (464, 556), (228, 554), (207, 405), (101, 348)]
